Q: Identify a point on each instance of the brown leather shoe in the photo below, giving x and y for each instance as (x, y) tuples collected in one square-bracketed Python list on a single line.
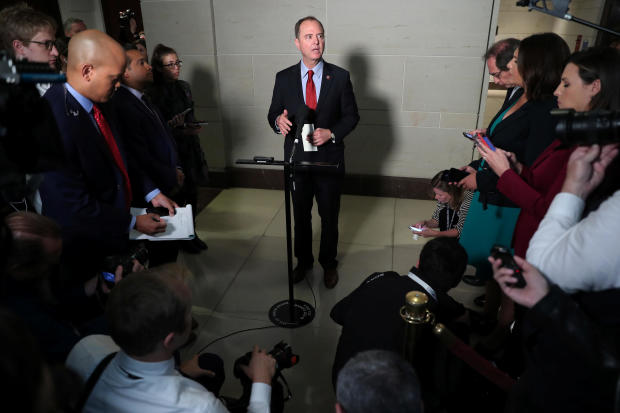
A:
[(299, 273), (330, 277)]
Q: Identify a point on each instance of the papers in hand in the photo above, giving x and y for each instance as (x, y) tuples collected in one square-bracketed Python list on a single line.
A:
[(178, 227), (306, 131)]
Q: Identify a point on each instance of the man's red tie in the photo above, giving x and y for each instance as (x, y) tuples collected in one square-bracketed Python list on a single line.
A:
[(310, 91), (109, 138)]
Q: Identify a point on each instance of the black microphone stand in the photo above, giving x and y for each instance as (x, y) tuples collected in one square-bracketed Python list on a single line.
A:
[(289, 313)]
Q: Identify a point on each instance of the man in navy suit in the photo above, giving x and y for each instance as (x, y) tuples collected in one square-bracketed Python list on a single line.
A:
[(327, 90), (148, 140), (90, 196), (147, 137)]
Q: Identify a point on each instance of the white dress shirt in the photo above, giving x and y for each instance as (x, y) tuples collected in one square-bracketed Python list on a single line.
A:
[(129, 385), (578, 255)]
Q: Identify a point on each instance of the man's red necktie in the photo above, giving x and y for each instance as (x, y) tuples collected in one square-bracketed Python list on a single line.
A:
[(109, 138), (310, 91)]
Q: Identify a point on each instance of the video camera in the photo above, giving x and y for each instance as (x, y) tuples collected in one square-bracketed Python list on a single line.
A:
[(587, 128), (29, 139), (139, 252), (285, 358)]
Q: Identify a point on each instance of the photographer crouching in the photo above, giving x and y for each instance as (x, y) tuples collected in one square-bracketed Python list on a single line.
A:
[(149, 316)]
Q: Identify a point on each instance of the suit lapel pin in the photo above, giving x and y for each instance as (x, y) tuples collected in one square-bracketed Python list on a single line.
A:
[(328, 77)]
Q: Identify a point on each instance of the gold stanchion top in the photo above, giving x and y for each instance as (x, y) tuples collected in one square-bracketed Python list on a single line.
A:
[(414, 311), (416, 298)]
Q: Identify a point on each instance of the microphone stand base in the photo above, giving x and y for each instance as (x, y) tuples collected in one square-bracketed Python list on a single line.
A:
[(281, 315)]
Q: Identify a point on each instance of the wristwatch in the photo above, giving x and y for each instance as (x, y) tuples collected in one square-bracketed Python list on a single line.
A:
[(333, 138)]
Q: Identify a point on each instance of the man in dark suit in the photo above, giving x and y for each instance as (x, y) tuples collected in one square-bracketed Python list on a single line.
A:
[(148, 140), (91, 195), (326, 89), (370, 315), (147, 136)]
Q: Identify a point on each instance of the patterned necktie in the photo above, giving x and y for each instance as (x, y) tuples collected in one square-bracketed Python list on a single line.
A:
[(310, 91), (105, 130)]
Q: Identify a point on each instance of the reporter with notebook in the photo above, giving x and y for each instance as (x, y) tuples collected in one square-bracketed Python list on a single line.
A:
[(90, 196), (149, 141)]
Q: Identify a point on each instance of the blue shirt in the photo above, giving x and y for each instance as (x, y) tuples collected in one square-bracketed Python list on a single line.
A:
[(317, 77)]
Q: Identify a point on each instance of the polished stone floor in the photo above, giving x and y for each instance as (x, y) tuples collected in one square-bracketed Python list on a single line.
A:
[(243, 273)]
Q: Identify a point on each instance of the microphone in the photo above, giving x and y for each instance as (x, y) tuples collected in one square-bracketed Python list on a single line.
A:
[(300, 117)]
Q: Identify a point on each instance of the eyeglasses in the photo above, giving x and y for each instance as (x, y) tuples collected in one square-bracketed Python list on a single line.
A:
[(48, 44), (178, 63)]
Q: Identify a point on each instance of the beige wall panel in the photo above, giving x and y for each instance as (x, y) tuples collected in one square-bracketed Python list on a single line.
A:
[(256, 27), (413, 27), (464, 121), (236, 80), (377, 80), (405, 151), (186, 26), (200, 72), (443, 84), (213, 144), (265, 69)]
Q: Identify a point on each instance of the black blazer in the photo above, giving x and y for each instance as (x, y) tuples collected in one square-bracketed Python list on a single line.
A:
[(336, 110), (86, 197), (148, 139), (527, 133)]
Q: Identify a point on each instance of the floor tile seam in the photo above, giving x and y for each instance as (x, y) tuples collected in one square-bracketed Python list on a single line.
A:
[(339, 242), (273, 218), (232, 280)]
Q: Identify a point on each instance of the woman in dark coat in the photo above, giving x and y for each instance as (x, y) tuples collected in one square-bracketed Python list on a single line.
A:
[(173, 97)]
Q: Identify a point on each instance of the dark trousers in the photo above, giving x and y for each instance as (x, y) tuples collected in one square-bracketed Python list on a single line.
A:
[(326, 188)]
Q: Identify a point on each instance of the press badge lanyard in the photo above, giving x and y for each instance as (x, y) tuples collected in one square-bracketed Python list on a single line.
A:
[(424, 285)]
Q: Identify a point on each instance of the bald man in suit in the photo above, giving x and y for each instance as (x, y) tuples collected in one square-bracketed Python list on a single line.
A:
[(91, 195)]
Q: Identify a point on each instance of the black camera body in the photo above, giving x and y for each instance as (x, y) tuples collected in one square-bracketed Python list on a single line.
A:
[(508, 261), (587, 128), (138, 252), (281, 352)]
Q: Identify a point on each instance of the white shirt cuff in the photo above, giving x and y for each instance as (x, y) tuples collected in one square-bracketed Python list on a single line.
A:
[(567, 207), (261, 393)]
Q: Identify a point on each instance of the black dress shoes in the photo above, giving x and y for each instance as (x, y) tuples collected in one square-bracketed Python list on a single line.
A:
[(330, 277), (299, 273)]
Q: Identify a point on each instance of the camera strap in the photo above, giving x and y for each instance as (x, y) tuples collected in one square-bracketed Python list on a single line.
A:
[(289, 395), (92, 381)]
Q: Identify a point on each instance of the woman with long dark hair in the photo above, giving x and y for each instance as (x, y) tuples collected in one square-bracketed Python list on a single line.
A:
[(525, 127), (173, 97), (533, 188)]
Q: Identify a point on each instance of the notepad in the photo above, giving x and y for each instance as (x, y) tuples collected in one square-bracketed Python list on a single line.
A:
[(178, 227), (306, 131)]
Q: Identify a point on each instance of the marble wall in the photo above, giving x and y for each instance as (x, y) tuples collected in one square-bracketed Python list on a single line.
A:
[(415, 66), (87, 10)]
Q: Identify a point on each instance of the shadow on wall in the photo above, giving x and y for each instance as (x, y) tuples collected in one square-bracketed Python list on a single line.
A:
[(369, 147), (202, 81)]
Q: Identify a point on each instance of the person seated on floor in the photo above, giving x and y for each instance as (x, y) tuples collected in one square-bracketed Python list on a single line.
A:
[(57, 317), (370, 315), (149, 316), (378, 381), (452, 205)]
